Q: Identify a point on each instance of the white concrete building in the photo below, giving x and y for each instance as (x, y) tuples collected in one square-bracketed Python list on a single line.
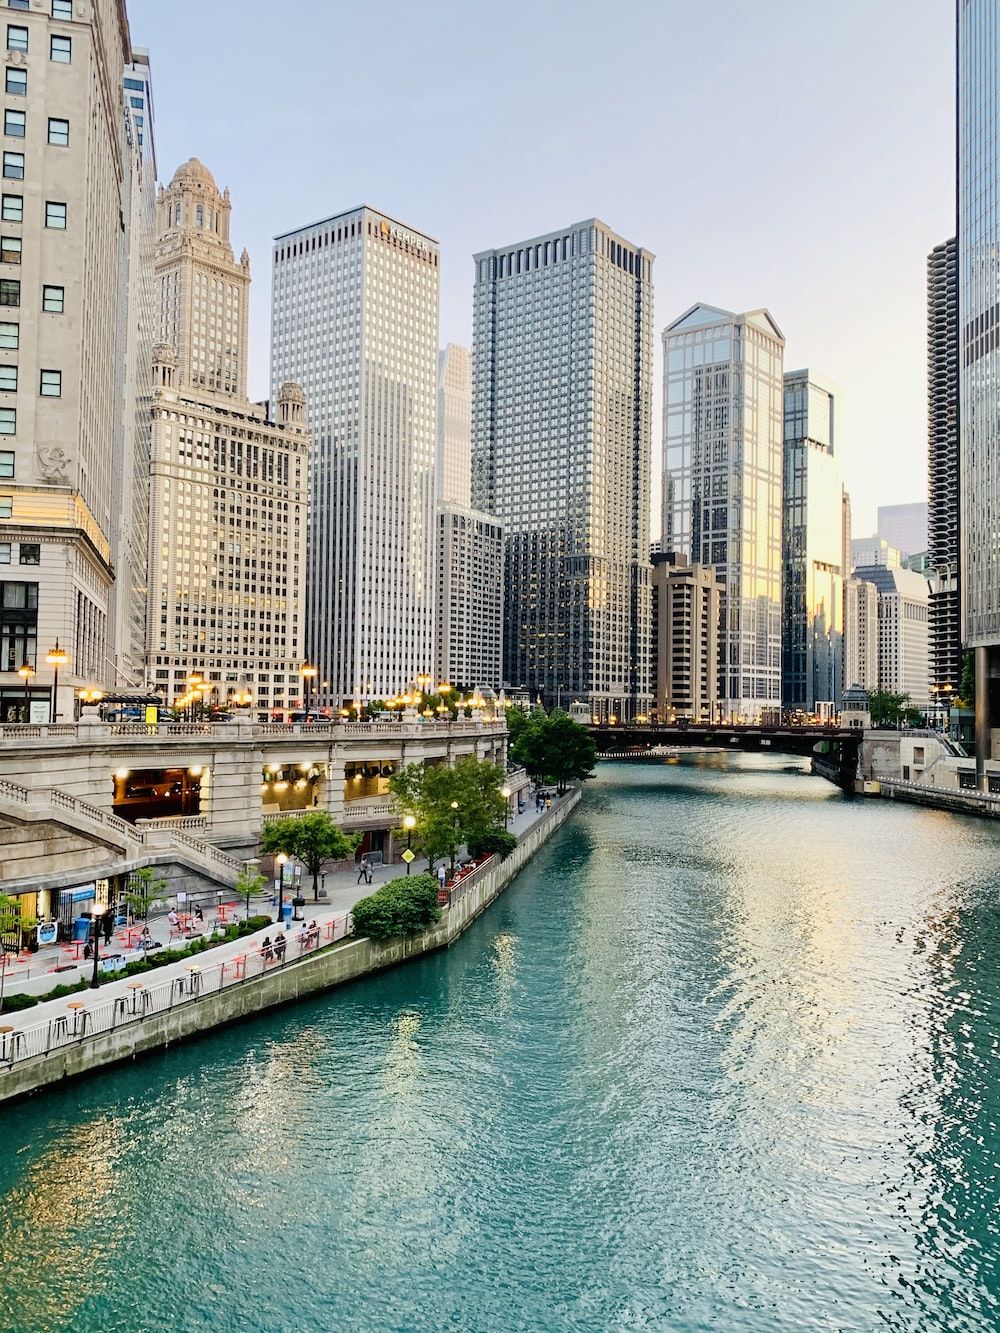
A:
[(561, 416), (874, 550), (67, 168), (355, 320), (860, 635), (454, 426), (229, 487), (723, 413), (902, 631), (469, 598)]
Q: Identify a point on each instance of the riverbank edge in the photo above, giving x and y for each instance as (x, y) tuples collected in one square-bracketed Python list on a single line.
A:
[(307, 977)]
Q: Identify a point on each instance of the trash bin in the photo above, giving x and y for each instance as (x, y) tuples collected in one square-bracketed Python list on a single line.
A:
[(81, 928), (286, 912), (298, 902)]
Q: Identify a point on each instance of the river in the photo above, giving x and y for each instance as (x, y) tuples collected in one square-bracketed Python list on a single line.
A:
[(724, 1057)]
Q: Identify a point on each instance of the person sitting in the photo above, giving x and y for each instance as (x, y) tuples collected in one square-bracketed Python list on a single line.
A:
[(199, 915), (279, 946), (314, 931), (145, 939), (266, 949)]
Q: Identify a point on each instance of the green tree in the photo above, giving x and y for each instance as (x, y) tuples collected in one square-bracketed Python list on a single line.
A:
[(404, 906), (248, 882), (967, 685), (142, 890), (451, 805), (554, 748), (312, 839), (893, 710)]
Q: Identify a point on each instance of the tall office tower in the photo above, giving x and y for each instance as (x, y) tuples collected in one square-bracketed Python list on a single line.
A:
[(874, 550), (138, 322), (454, 426), (561, 420), (65, 164), (355, 318), (686, 605), (904, 527), (942, 471), (902, 631), (860, 634), (812, 647), (979, 355), (723, 439), (229, 487), (469, 630)]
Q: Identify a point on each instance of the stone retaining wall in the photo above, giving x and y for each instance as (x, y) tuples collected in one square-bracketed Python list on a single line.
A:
[(346, 962)]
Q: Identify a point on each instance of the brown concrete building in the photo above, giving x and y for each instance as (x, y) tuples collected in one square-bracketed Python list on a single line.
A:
[(686, 607)]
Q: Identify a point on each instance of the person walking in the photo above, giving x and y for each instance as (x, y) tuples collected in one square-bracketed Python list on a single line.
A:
[(369, 872), (363, 870), (109, 925)]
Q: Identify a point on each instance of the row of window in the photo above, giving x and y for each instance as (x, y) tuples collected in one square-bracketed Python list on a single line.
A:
[(12, 210), (60, 48), (49, 386), (29, 553), (15, 123), (53, 298), (60, 9)]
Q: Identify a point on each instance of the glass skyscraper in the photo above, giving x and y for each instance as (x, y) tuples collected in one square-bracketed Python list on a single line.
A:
[(812, 649), (355, 314), (722, 503), (943, 516), (561, 424), (979, 350)]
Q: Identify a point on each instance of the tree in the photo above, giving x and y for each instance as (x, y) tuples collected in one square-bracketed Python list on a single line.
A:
[(451, 805), (248, 882), (312, 839), (404, 906), (967, 685), (554, 748), (142, 890), (893, 710)]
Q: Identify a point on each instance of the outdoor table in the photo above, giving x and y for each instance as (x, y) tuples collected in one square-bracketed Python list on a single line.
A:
[(76, 945), (132, 933), (137, 987), (79, 1011), (223, 911), (194, 978), (237, 964)]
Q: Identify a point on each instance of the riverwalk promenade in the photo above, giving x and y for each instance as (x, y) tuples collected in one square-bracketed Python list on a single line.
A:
[(124, 1017)]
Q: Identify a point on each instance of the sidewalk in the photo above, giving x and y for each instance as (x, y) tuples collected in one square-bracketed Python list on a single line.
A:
[(342, 890)]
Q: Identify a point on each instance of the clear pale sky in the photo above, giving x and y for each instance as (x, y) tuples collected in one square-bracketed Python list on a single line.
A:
[(794, 154)]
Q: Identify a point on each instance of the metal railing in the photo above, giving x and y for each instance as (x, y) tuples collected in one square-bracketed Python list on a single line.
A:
[(226, 732), (971, 794), (92, 1017)]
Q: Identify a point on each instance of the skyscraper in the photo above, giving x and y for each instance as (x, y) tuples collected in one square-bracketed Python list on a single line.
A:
[(943, 471), (812, 648), (66, 167), (561, 417), (686, 602), (229, 487), (902, 631), (904, 527), (979, 354), (860, 634), (469, 631), (355, 320), (723, 441), (454, 426)]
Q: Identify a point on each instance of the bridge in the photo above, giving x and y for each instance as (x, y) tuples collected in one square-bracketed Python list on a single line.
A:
[(833, 749)]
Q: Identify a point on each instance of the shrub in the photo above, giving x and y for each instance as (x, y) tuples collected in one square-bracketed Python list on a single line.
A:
[(13, 1004), (495, 841), (404, 906), (252, 924), (136, 966)]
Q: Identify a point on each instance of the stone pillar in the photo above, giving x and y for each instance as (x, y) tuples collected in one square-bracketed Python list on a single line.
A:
[(232, 802), (987, 708), (331, 793)]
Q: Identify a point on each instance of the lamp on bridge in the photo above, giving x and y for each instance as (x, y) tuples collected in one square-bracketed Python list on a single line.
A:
[(242, 695), (26, 671), (56, 657), (308, 673)]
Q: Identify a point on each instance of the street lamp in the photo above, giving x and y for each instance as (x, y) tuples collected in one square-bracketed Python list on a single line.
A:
[(56, 657), (409, 823), (308, 674), (454, 841), (242, 695), (26, 671), (281, 860), (194, 682), (505, 793), (95, 926)]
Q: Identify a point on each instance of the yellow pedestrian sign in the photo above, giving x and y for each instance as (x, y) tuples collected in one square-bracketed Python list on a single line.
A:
[(409, 856)]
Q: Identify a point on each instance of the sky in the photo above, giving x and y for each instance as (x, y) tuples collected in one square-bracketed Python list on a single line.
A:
[(793, 154)]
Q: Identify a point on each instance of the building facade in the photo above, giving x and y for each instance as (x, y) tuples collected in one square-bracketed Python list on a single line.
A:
[(945, 612), (561, 420), (469, 631), (860, 634), (978, 244), (229, 486), (904, 527), (722, 492), (66, 166), (355, 320), (875, 550), (902, 631), (454, 426), (812, 622), (687, 602)]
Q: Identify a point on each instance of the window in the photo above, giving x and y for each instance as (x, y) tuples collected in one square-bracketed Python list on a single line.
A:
[(10, 249), (17, 38), (8, 421), (134, 85), (10, 291), (9, 336), (6, 466), (13, 208), (62, 9), (18, 620), (13, 166), (60, 49), (17, 82), (4, 553), (30, 553), (8, 382), (58, 131), (50, 385), (55, 215), (6, 506), (137, 102), (14, 124), (18, 4), (53, 299)]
